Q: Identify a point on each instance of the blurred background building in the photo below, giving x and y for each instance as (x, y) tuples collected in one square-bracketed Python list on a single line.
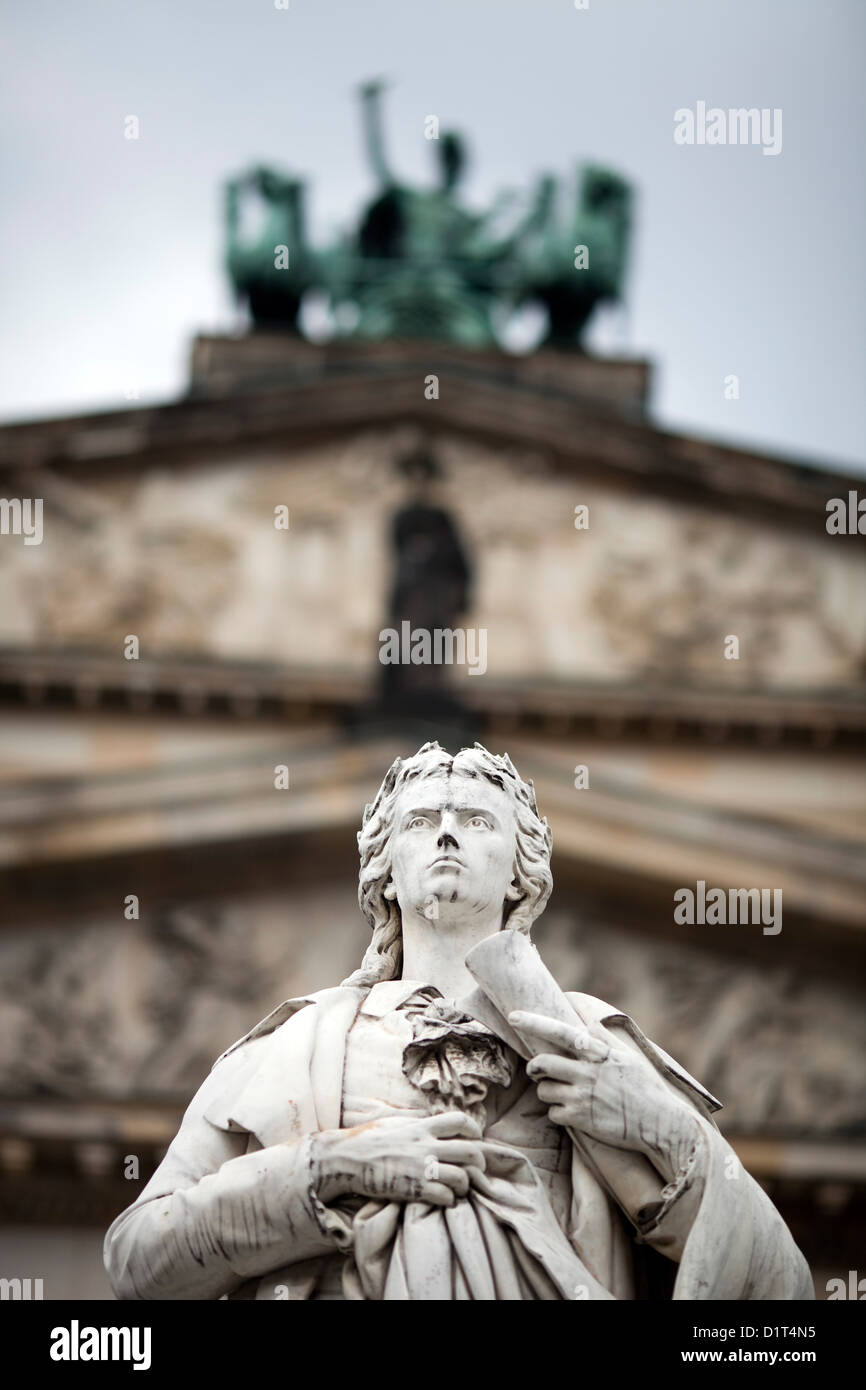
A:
[(195, 714)]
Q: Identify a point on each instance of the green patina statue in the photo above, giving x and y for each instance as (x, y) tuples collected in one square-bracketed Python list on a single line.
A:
[(421, 265)]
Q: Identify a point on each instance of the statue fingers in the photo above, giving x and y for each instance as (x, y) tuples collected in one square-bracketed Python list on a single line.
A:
[(454, 1177), (569, 1038), (560, 1093), (549, 1029), (561, 1115), (551, 1064), (453, 1124), (459, 1151), (435, 1194)]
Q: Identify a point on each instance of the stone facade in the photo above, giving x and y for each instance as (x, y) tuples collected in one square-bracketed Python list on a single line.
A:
[(189, 559), (258, 646)]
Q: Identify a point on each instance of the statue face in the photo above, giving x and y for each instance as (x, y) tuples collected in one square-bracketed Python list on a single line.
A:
[(452, 848)]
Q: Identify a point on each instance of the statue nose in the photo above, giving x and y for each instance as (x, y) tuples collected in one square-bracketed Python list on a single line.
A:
[(447, 841)]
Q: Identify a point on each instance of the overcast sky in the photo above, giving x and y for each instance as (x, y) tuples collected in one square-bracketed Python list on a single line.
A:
[(743, 263)]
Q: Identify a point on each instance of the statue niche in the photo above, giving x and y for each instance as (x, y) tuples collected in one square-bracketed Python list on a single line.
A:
[(430, 588)]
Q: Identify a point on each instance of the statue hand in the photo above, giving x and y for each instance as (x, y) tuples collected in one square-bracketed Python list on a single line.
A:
[(400, 1160), (608, 1092)]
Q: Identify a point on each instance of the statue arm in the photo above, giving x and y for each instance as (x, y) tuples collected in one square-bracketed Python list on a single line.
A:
[(721, 1228), (232, 209), (709, 1215), (667, 1228), (680, 1154), (372, 119), (535, 219), (714, 1220), (213, 1215)]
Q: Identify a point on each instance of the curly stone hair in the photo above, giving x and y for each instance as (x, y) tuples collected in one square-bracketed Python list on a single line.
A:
[(383, 959)]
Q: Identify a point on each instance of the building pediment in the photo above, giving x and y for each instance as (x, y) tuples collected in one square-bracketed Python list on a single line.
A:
[(580, 413)]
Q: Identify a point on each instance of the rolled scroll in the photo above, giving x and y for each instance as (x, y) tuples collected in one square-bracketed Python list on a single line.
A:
[(511, 976)]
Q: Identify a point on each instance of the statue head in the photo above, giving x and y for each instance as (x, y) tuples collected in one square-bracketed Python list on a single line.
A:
[(452, 159), (418, 463), (420, 471), (499, 845), (602, 191)]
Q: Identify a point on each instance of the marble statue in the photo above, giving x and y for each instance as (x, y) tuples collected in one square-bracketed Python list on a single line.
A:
[(446, 1124)]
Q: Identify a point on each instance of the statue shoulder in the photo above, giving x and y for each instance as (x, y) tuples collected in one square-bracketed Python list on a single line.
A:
[(596, 1012), (276, 1018)]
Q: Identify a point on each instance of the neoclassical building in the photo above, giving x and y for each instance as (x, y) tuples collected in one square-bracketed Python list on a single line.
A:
[(675, 650)]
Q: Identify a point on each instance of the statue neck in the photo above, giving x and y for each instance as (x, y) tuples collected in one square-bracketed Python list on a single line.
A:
[(435, 952)]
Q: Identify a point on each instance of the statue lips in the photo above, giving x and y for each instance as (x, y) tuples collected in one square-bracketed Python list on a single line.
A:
[(449, 861)]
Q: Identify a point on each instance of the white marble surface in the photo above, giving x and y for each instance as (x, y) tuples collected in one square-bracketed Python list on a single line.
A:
[(267, 1185)]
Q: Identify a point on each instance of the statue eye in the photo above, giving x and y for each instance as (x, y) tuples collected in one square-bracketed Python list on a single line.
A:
[(418, 822), (481, 821)]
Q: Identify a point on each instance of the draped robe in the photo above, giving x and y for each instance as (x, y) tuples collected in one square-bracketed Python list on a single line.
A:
[(232, 1210)]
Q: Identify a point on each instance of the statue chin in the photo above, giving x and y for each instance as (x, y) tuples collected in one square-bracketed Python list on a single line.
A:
[(442, 908), (445, 910)]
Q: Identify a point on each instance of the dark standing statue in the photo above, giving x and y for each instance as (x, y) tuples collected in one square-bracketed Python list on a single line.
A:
[(431, 586), (408, 224)]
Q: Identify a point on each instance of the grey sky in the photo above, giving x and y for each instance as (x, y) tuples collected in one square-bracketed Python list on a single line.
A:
[(743, 263)]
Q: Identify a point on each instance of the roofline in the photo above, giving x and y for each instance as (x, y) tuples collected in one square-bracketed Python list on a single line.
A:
[(488, 396)]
